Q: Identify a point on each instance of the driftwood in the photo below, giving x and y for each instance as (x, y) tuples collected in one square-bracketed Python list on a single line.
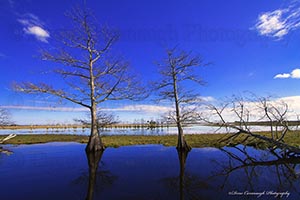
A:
[(254, 111), (8, 152), (7, 138), (275, 143)]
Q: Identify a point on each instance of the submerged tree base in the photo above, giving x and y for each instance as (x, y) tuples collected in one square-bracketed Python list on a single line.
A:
[(90, 149), (183, 146), (95, 144), (184, 149)]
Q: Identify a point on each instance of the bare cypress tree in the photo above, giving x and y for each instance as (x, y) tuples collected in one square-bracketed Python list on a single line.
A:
[(177, 69), (91, 74)]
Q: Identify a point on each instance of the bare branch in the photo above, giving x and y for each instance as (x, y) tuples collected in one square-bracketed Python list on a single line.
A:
[(175, 70), (275, 114), (103, 119), (31, 88), (88, 69), (75, 73)]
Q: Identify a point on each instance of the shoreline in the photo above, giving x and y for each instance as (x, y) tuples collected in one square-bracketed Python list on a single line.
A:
[(194, 140), (80, 126)]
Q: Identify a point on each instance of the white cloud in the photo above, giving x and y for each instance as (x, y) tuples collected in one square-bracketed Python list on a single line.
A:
[(270, 23), (208, 99), (280, 22), (141, 108), (293, 102), (130, 108), (32, 25), (256, 111), (294, 74), (282, 76), (158, 109), (46, 108), (40, 33), (146, 110), (281, 33)]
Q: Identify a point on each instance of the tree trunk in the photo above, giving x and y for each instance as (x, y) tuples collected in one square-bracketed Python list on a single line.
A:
[(93, 161), (276, 143), (95, 142), (181, 143), (182, 155)]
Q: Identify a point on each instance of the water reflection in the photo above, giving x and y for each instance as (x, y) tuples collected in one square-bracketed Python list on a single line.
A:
[(97, 177), (5, 151), (238, 172), (278, 170), (64, 171), (93, 161), (185, 184), (196, 129), (182, 155)]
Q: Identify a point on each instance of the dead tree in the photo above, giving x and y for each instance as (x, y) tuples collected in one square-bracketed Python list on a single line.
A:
[(92, 75), (175, 71), (8, 137), (243, 113), (5, 120)]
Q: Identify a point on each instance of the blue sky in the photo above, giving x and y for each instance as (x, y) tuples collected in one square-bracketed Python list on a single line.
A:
[(254, 46)]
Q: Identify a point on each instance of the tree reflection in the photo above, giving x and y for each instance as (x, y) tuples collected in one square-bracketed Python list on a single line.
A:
[(96, 179), (188, 186), (282, 168), (5, 151), (2, 140), (93, 161), (182, 156), (242, 169)]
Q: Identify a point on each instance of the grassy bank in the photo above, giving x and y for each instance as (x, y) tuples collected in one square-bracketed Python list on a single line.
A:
[(195, 140)]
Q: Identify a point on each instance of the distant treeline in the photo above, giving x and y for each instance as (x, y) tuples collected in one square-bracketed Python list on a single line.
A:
[(79, 126), (150, 124)]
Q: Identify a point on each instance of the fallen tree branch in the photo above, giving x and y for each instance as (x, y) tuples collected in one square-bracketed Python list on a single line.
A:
[(7, 138)]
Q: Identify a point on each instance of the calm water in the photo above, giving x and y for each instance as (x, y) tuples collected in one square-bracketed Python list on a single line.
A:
[(129, 131), (64, 171)]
